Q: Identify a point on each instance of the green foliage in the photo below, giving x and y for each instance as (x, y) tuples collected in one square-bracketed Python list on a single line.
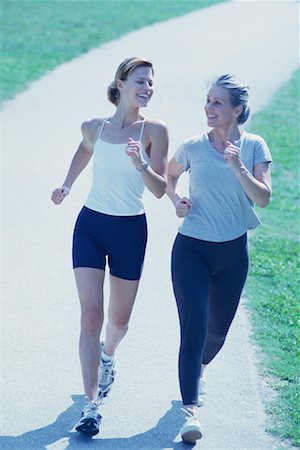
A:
[(36, 36), (273, 286)]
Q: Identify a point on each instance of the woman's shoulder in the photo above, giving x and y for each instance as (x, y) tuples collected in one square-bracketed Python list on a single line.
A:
[(156, 131), (90, 129), (155, 125), (253, 138), (195, 141), (91, 124), (256, 148)]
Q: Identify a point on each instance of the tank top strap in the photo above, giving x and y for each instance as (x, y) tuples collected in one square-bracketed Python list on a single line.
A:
[(101, 129), (142, 130)]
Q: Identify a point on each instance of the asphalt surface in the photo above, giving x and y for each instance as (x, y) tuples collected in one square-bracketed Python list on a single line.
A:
[(41, 380)]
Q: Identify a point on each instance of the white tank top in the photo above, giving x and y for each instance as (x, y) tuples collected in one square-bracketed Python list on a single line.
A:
[(117, 186)]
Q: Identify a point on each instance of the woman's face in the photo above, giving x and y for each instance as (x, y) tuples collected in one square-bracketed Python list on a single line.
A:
[(218, 108), (137, 89)]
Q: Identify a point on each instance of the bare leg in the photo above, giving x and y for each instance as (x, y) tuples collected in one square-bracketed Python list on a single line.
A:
[(89, 283), (122, 296)]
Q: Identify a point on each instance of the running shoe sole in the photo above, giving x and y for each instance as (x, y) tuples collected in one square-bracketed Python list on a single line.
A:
[(88, 426), (191, 435)]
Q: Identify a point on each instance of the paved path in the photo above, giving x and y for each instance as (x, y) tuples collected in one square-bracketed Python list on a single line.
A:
[(41, 128)]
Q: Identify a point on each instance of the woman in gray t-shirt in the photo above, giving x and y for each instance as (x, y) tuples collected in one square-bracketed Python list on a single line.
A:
[(229, 172)]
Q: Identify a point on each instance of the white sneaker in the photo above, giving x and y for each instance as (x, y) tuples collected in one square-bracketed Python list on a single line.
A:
[(191, 430), (89, 422), (202, 392), (106, 374)]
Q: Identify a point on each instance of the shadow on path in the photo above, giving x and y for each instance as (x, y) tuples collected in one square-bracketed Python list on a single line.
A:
[(159, 437)]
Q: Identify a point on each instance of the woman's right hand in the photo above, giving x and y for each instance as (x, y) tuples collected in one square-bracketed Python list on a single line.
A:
[(183, 206), (59, 194)]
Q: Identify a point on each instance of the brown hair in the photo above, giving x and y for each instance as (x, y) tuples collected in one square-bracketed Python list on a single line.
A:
[(124, 70)]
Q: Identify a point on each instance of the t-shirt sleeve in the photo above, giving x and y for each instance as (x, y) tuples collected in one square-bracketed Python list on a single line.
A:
[(181, 156), (261, 152)]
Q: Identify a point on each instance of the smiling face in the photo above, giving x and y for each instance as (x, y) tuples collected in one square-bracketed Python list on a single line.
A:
[(218, 108), (137, 89)]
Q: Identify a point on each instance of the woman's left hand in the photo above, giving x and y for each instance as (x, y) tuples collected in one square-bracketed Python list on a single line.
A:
[(133, 150), (232, 155)]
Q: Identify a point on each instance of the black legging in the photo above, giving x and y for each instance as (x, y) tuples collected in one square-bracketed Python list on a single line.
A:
[(208, 279)]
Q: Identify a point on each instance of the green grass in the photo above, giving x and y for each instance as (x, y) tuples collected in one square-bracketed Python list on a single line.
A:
[(36, 36), (273, 285)]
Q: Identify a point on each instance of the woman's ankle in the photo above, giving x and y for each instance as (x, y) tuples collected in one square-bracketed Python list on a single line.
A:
[(191, 409)]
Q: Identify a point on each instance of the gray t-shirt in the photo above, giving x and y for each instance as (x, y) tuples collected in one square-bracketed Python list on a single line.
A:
[(221, 211)]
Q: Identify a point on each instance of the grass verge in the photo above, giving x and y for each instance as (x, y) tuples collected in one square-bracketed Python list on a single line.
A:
[(273, 285), (37, 36)]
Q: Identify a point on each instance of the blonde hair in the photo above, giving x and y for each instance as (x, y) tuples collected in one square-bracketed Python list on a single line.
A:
[(238, 93), (123, 71)]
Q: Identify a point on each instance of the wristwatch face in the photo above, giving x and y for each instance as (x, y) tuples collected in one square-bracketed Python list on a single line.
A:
[(144, 166)]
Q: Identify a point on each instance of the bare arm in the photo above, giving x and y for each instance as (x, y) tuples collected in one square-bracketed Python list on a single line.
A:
[(182, 205), (79, 162), (258, 186), (155, 174)]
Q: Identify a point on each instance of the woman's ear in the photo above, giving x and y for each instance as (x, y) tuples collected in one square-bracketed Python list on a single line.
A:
[(238, 111), (119, 84)]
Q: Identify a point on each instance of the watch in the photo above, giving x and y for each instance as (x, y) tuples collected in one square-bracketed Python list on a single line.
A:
[(144, 167)]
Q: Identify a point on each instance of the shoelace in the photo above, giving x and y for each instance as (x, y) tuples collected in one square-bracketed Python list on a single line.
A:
[(91, 406), (105, 374), (189, 414)]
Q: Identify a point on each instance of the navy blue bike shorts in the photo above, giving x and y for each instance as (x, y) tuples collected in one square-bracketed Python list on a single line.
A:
[(119, 239)]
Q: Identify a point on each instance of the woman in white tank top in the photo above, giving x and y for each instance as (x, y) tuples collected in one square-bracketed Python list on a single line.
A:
[(130, 153)]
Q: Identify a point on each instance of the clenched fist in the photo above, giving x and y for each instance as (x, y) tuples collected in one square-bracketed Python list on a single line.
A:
[(59, 194), (183, 206)]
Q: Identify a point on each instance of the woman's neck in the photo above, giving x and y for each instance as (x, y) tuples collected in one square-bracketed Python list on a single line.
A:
[(221, 136), (125, 117)]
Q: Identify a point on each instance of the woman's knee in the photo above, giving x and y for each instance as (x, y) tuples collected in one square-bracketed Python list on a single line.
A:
[(119, 323), (193, 337), (91, 320), (213, 345), (192, 344), (216, 338)]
